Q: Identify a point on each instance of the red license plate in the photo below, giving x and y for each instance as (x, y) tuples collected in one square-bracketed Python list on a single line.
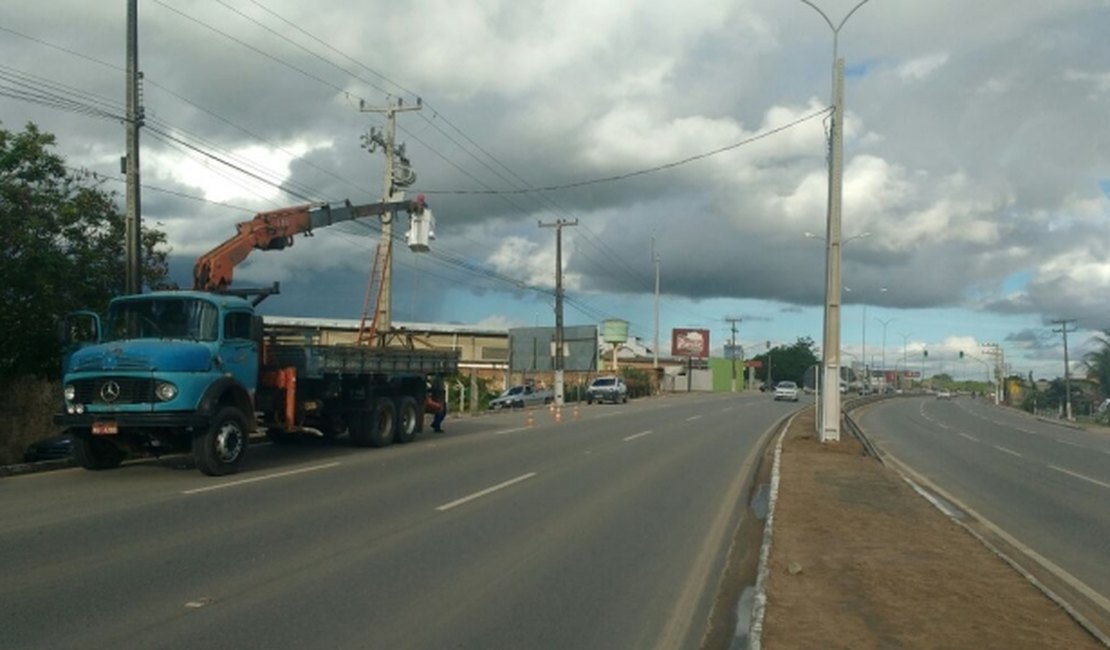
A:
[(105, 428)]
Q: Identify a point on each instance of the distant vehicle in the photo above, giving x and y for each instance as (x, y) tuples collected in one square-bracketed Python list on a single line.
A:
[(607, 389), (518, 397), (786, 390), (52, 448), (944, 393)]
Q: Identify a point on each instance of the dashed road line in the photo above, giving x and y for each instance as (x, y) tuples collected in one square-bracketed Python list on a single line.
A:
[(692, 418), (481, 493), (256, 479), (1080, 476), (971, 438), (1008, 451), (508, 431), (1070, 443), (638, 435)]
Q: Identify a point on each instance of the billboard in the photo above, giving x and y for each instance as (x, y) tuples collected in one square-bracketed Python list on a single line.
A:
[(532, 349), (690, 343)]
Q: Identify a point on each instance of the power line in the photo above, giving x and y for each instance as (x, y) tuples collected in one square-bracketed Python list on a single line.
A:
[(641, 172)]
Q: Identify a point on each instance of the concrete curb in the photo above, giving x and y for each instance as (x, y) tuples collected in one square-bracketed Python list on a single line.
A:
[(759, 608)]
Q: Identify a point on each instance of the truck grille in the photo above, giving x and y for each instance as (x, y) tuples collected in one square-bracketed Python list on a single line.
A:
[(131, 390)]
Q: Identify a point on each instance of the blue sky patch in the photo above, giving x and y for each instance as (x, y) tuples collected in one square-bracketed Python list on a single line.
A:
[(857, 69)]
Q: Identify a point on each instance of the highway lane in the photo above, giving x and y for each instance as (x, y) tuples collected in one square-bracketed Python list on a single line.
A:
[(1044, 484), (606, 531)]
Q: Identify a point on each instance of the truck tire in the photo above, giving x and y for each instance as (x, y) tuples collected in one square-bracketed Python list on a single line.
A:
[(220, 449), (408, 418), (375, 428), (96, 453)]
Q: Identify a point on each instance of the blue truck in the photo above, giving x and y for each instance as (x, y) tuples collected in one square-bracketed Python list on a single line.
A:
[(200, 372)]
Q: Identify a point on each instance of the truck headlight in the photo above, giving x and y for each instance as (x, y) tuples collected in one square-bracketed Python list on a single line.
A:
[(70, 392), (165, 391)]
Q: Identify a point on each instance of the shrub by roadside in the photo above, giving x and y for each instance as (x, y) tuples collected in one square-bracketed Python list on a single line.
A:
[(27, 405)]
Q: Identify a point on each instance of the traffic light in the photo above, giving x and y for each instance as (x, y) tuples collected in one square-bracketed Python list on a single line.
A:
[(925, 353), (961, 354)]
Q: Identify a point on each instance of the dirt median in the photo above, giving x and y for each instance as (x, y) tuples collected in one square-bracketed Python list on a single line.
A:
[(860, 560)]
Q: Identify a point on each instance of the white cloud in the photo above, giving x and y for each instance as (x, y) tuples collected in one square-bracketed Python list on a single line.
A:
[(921, 67)]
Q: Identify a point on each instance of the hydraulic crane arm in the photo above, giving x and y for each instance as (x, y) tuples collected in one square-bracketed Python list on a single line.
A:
[(274, 230)]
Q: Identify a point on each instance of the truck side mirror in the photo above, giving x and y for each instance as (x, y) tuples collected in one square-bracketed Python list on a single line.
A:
[(77, 329)]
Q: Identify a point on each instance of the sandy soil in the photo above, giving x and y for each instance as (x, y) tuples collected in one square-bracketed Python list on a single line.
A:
[(859, 560)]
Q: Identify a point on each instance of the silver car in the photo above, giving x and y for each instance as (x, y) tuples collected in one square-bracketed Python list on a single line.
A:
[(607, 389), (786, 390)]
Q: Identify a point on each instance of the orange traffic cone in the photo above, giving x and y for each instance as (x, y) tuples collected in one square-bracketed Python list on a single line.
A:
[(574, 412), (558, 414), (530, 421)]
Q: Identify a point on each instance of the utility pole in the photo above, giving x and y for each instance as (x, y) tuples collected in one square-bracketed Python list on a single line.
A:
[(1063, 323), (732, 348), (133, 218), (655, 343), (558, 225), (397, 174), (830, 411)]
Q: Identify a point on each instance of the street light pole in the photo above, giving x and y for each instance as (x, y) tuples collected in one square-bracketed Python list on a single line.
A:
[(885, 323)]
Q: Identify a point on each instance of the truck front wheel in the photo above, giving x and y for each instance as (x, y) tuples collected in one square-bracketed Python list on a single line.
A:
[(96, 453), (220, 449)]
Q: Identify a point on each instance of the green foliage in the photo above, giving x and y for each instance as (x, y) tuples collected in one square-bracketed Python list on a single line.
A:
[(638, 381), (62, 248), (788, 362), (1097, 363)]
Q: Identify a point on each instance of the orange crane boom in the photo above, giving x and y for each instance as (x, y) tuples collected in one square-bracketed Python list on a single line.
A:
[(274, 230)]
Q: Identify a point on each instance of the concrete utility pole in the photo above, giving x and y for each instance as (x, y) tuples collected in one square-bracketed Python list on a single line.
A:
[(733, 320), (830, 412), (133, 219), (394, 176), (1063, 323), (994, 351), (558, 225), (655, 343)]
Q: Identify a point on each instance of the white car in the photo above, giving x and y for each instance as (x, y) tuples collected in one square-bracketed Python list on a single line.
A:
[(786, 390), (944, 393)]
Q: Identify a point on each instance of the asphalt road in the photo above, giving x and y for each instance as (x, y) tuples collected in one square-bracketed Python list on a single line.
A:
[(608, 531), (1045, 484)]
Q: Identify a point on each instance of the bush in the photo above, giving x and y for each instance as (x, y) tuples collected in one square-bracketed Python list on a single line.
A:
[(27, 406)]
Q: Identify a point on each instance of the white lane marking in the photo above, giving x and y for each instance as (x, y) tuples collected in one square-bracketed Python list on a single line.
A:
[(1069, 442), (971, 438), (507, 431), (482, 493), (638, 435), (197, 604), (610, 414), (692, 418), (726, 410), (1080, 476), (256, 479), (1008, 451)]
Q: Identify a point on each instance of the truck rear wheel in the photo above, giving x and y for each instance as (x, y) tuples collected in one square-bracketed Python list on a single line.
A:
[(96, 453), (376, 428), (220, 449), (408, 418)]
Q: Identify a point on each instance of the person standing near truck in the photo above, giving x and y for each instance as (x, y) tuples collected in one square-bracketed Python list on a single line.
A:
[(437, 403)]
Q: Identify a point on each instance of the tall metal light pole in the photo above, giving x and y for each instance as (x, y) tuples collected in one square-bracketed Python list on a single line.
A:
[(884, 323), (655, 344), (905, 361), (830, 413)]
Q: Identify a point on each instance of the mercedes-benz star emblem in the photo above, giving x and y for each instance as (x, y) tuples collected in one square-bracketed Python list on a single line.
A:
[(109, 392)]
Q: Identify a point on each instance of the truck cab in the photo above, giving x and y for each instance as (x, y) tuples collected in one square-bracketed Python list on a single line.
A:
[(165, 371)]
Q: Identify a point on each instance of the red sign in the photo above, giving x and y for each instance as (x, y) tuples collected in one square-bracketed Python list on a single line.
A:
[(690, 343), (754, 363)]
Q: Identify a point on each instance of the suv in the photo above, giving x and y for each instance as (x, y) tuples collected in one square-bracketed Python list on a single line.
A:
[(607, 389)]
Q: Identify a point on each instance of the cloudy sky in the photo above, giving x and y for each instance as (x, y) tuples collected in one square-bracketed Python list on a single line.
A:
[(977, 156)]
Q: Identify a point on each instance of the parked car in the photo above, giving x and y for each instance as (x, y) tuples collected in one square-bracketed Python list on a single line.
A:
[(52, 448), (607, 389), (517, 397), (786, 390)]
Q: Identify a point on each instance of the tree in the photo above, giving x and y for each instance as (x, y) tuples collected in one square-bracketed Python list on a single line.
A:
[(62, 247), (788, 361), (1097, 363)]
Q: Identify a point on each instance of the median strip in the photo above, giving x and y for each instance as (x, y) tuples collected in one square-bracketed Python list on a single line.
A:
[(256, 479), (482, 493)]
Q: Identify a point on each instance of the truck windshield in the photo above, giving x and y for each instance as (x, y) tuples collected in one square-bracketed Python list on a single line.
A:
[(162, 318)]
